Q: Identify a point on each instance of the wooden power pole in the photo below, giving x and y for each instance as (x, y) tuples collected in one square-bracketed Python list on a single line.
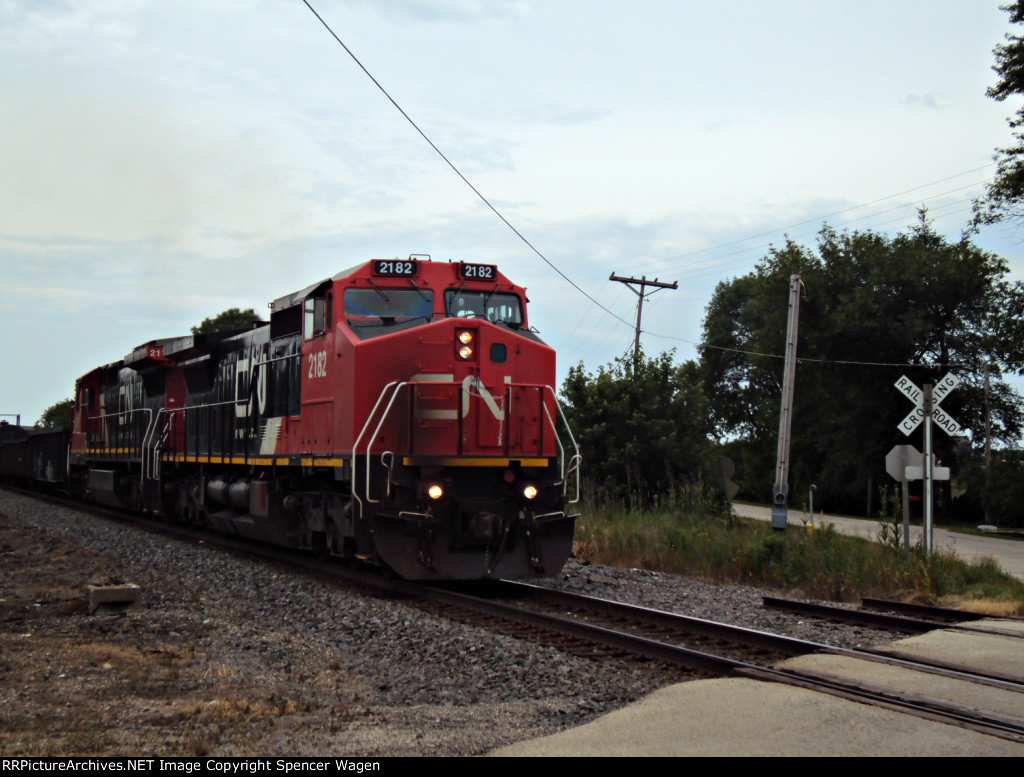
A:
[(643, 283), (780, 490)]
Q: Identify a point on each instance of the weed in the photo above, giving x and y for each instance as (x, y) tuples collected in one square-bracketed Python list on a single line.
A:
[(687, 535)]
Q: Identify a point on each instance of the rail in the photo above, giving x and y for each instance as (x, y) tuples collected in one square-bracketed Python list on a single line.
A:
[(146, 435), (104, 417), (172, 415)]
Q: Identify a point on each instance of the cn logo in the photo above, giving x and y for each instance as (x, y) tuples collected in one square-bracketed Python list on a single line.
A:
[(471, 385), (250, 368)]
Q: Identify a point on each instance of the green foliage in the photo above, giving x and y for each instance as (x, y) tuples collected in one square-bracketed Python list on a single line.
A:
[(1004, 197), (57, 415), (890, 527), (696, 540), (640, 424), (914, 299), (1003, 496), (230, 320), (998, 495)]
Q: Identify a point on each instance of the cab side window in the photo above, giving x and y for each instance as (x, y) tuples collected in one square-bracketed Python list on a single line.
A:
[(315, 317)]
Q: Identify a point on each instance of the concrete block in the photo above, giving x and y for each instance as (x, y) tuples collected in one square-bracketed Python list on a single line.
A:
[(115, 597)]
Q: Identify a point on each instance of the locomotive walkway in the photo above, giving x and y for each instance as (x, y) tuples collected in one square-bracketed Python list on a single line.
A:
[(724, 717)]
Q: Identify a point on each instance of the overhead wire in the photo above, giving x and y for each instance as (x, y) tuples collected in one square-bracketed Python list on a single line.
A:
[(458, 172), (569, 280), (764, 246), (620, 290), (818, 218), (704, 272)]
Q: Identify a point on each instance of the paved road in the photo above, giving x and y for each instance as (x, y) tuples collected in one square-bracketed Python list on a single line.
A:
[(1007, 552), (733, 716)]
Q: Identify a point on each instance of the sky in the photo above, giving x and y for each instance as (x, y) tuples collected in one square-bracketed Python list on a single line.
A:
[(161, 162)]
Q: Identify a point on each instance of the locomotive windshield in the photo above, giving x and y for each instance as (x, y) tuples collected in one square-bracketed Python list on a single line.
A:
[(389, 303), (493, 306)]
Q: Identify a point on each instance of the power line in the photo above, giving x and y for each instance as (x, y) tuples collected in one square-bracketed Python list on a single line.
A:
[(818, 219), (763, 246), (704, 272), (465, 180), (759, 248), (811, 360), (693, 253)]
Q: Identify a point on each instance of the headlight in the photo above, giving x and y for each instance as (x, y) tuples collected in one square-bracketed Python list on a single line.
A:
[(435, 491), (530, 491), (465, 344)]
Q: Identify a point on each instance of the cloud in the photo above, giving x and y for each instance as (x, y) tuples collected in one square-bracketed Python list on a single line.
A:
[(921, 101), (84, 162), (462, 11)]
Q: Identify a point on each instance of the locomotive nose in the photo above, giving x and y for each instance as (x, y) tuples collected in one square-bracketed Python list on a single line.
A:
[(485, 526)]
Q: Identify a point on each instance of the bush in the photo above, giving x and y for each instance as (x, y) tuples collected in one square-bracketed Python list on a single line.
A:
[(689, 537)]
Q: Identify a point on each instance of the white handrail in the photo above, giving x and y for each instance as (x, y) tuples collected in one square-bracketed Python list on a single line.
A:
[(355, 445), (369, 445), (576, 459)]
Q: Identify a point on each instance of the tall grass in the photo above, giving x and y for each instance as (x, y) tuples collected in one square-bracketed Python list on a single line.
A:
[(689, 535)]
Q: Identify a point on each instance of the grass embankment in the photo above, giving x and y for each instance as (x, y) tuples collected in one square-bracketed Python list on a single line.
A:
[(692, 540)]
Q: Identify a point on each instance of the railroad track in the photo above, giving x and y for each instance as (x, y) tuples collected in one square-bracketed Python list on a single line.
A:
[(720, 646), (925, 611), (918, 618), (876, 620), (606, 629)]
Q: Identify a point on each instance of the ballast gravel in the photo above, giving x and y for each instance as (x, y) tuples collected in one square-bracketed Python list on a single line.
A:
[(230, 656)]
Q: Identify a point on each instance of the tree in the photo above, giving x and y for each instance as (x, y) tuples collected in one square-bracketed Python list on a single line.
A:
[(998, 494), (640, 424), (875, 308), (1004, 197), (231, 319), (57, 415)]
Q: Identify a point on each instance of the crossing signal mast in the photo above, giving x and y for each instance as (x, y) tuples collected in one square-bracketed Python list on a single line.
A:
[(655, 285)]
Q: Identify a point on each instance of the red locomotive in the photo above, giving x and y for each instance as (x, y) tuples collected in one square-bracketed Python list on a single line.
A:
[(402, 412)]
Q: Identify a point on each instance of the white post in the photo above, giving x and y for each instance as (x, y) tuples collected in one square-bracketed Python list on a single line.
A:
[(906, 515), (929, 472)]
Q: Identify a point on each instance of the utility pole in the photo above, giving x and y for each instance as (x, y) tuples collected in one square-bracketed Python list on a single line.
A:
[(780, 491), (988, 435), (644, 283)]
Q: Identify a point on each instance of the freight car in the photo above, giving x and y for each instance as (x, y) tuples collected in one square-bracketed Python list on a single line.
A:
[(401, 413), (34, 457)]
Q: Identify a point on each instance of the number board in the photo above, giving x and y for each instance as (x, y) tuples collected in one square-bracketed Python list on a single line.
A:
[(478, 272), (401, 268)]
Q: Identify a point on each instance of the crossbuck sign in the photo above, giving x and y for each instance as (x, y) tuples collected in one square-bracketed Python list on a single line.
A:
[(928, 411), (941, 418)]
